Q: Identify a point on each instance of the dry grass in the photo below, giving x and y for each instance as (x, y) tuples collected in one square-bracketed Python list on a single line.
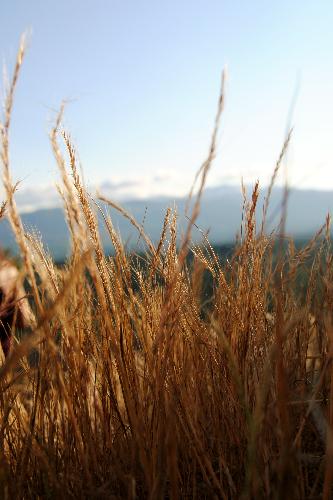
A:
[(143, 391)]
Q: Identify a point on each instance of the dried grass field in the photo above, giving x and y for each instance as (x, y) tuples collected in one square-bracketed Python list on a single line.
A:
[(143, 389)]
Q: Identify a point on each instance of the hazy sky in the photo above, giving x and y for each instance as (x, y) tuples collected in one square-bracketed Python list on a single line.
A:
[(142, 78)]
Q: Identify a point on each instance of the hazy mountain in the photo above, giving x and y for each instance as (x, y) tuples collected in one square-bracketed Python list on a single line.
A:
[(220, 213)]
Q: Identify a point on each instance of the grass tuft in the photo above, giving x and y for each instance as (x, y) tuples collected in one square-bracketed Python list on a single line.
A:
[(143, 387)]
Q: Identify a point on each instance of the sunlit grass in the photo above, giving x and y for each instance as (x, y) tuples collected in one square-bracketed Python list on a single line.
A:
[(141, 389)]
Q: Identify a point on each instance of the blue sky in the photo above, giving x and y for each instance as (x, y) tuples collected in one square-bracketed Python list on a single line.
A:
[(143, 78)]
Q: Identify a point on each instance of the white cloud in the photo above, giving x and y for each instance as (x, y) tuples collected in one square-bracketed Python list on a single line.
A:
[(119, 188), (162, 183)]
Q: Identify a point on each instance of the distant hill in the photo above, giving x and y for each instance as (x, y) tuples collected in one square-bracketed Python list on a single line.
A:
[(220, 213)]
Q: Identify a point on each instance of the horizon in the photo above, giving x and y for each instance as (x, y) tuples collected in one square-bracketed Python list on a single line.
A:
[(220, 215), (30, 199)]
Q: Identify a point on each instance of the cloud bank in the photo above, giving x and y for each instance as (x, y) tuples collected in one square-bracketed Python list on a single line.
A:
[(170, 185)]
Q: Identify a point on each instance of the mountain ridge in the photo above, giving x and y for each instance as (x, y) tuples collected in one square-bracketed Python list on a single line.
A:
[(220, 214)]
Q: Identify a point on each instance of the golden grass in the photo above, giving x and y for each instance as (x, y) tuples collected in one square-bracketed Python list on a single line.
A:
[(143, 391)]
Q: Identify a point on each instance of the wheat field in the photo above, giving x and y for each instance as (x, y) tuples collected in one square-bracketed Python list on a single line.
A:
[(143, 389)]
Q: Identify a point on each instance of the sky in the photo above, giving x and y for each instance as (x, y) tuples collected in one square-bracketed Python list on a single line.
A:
[(141, 81)]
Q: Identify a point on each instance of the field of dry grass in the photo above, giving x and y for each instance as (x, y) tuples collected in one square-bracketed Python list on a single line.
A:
[(141, 389)]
